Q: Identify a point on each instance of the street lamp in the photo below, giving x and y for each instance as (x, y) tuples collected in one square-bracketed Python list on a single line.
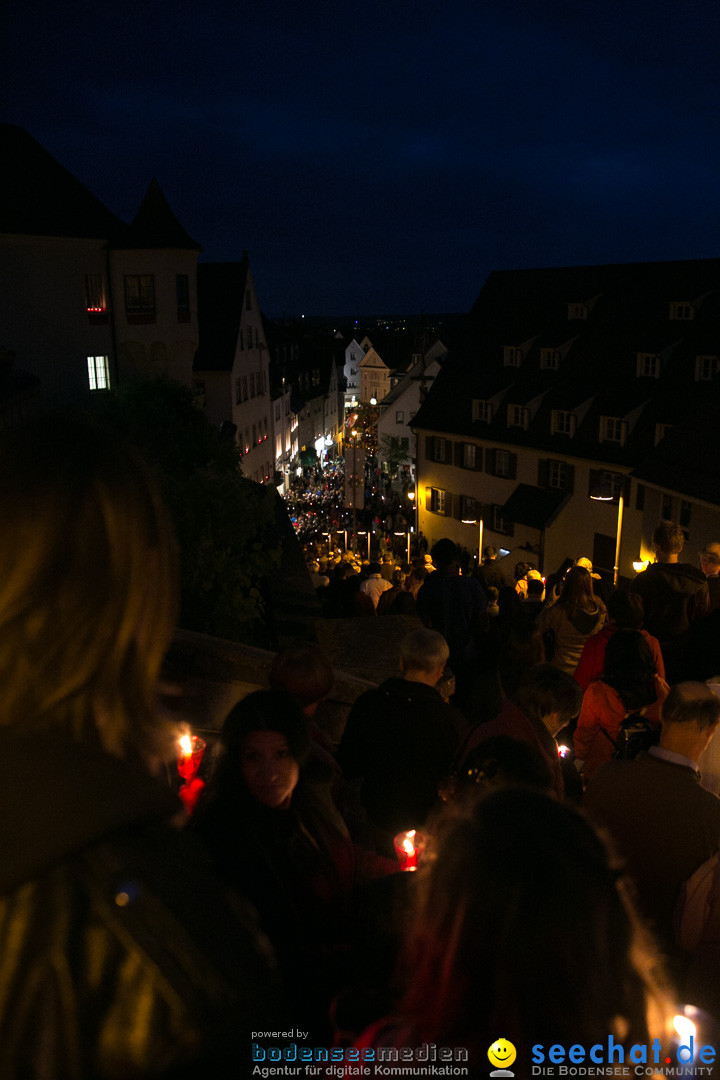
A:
[(478, 522), (416, 509), (602, 491)]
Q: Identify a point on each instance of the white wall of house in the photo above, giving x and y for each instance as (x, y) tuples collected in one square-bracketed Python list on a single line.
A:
[(44, 318), (161, 341)]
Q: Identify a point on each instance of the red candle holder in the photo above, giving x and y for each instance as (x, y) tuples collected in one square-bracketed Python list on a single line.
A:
[(409, 847)]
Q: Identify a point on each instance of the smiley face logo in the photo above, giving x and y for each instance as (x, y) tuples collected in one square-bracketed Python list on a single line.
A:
[(502, 1053)]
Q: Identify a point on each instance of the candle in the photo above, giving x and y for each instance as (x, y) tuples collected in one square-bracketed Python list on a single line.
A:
[(191, 749), (409, 847)]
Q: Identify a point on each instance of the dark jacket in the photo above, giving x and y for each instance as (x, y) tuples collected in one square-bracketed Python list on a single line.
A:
[(674, 595), (400, 739), (120, 954)]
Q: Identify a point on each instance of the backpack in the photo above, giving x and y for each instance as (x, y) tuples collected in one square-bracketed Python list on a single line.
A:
[(635, 735)]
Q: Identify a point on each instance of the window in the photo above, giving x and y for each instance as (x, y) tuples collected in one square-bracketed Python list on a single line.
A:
[(244, 388), (238, 392), (667, 507), (640, 497), (660, 431), (599, 477), (399, 416), (513, 356), (436, 449), (98, 372), (682, 310), (502, 463), (705, 368), (470, 508), (438, 501), (499, 523), (95, 294), (182, 293), (685, 513), (140, 298), (648, 365), (469, 456), (549, 359), (562, 422), (613, 429), (482, 411), (558, 475), (518, 416), (252, 384), (577, 311)]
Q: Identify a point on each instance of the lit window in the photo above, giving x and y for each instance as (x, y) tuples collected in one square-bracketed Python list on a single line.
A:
[(95, 294), (562, 422), (648, 365), (99, 372), (482, 411)]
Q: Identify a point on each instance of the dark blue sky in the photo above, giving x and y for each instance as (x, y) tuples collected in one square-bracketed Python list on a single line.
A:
[(384, 157)]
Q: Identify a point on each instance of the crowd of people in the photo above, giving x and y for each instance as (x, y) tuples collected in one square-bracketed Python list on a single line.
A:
[(556, 898)]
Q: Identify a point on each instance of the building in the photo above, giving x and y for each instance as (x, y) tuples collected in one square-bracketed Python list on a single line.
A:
[(374, 377), (88, 300), (565, 378), (231, 368), (399, 408)]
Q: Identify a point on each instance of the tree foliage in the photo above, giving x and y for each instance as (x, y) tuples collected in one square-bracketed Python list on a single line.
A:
[(225, 523)]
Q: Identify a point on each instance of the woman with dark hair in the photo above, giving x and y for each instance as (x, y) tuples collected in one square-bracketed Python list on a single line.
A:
[(570, 617), (275, 837), (523, 930), (630, 684), (624, 612)]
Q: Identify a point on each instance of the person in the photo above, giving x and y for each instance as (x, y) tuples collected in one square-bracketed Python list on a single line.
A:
[(490, 574), (274, 836), (456, 607), (624, 612), (520, 894), (122, 956), (545, 700), (374, 585), (710, 565), (630, 684), (400, 738), (570, 616), (674, 595), (661, 819)]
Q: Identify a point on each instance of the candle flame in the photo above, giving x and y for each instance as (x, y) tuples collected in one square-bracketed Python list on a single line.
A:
[(186, 745), (408, 846)]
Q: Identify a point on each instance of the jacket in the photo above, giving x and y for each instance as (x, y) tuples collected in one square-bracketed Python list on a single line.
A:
[(120, 955)]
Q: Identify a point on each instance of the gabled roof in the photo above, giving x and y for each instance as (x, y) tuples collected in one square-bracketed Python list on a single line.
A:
[(221, 293), (155, 224), (533, 506), (39, 197)]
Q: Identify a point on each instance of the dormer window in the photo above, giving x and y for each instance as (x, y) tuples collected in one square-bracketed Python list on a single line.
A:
[(661, 431), (513, 356), (482, 410), (562, 422), (549, 359), (648, 366), (95, 294), (578, 311), (613, 430), (518, 416), (706, 368), (682, 309)]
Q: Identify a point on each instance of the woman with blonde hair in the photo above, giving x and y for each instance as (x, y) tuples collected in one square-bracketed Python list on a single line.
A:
[(107, 969)]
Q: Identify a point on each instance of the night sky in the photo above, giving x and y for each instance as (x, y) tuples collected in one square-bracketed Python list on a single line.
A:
[(385, 156)]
